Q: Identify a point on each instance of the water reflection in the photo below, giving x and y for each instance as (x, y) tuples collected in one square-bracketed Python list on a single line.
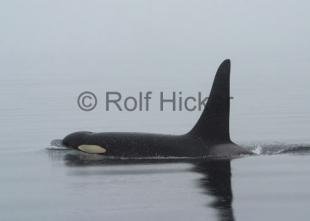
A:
[(216, 180)]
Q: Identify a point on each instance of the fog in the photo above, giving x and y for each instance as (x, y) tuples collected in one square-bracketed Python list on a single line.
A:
[(51, 51)]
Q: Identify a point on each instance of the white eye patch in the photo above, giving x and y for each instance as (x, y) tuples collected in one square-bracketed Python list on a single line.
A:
[(94, 149)]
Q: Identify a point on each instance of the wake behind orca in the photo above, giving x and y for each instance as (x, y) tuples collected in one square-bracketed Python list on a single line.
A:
[(209, 137)]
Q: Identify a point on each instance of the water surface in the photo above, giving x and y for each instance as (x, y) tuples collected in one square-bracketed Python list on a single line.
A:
[(51, 51)]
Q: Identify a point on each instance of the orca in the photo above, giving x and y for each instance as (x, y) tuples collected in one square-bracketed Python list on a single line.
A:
[(208, 138)]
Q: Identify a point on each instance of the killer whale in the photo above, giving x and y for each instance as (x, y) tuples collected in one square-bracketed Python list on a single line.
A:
[(209, 137)]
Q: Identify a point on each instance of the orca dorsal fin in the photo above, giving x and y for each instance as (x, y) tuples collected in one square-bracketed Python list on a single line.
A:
[(213, 124)]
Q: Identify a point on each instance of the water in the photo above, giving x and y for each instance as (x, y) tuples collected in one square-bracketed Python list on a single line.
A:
[(67, 185), (43, 182), (51, 51)]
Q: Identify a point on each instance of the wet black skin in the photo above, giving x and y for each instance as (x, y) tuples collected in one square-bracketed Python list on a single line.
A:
[(153, 145), (209, 137)]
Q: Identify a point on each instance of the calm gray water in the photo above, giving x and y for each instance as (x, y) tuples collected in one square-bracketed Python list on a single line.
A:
[(40, 181), (51, 51), (66, 185)]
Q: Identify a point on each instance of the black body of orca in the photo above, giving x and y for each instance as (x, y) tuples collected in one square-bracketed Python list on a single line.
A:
[(209, 137)]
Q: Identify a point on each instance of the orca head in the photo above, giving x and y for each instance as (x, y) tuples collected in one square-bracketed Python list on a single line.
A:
[(76, 139)]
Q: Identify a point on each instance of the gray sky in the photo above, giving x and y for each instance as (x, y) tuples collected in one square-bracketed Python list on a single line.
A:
[(96, 36), (57, 49)]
